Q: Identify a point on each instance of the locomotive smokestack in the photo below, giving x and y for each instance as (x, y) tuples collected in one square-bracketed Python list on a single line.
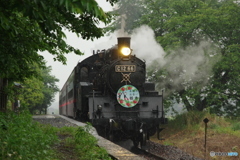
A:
[(124, 47), (124, 42)]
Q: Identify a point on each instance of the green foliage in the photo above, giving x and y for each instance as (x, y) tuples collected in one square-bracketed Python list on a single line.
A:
[(187, 120), (21, 138), (236, 126), (167, 143), (83, 144), (86, 145), (48, 90), (31, 94), (225, 90), (213, 126), (67, 131), (126, 15), (226, 130), (31, 26), (193, 121), (182, 25), (27, 27), (35, 93)]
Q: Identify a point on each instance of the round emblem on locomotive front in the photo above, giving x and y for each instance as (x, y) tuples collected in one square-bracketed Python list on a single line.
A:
[(128, 96)]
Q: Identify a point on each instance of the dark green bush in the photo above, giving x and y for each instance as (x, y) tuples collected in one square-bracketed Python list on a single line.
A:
[(21, 138), (86, 145)]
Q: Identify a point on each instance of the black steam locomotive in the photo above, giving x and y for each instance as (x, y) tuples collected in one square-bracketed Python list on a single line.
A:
[(109, 90)]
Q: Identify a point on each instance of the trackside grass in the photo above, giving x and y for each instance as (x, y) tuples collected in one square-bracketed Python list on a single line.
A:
[(79, 144), (23, 138), (20, 138), (187, 131)]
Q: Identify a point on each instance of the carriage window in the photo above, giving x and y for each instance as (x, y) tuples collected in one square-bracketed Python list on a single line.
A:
[(70, 93), (84, 74)]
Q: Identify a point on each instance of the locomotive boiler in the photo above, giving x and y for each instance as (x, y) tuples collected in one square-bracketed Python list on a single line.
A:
[(109, 89)]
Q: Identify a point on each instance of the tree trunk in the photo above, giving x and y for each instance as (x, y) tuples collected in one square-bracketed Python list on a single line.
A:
[(3, 95), (200, 104), (185, 101), (45, 109)]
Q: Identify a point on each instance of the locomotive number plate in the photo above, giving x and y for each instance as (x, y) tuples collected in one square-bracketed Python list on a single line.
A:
[(125, 68)]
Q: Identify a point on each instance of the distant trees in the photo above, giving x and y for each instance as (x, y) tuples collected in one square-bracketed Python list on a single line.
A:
[(38, 94), (185, 27), (49, 89), (126, 14), (34, 93), (27, 27)]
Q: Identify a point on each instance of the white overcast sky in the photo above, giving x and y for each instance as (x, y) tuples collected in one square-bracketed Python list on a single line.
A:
[(61, 71)]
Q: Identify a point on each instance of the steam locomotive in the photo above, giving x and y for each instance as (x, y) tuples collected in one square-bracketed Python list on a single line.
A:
[(109, 90)]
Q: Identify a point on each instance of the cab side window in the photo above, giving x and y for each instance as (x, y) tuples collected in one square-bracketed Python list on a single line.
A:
[(84, 74)]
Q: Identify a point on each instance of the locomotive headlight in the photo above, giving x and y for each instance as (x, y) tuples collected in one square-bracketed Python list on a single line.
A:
[(126, 51)]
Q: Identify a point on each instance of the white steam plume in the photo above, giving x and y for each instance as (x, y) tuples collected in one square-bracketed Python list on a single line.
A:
[(145, 46), (184, 65)]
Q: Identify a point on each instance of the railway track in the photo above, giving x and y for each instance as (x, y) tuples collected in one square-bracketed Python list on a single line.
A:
[(155, 151), (148, 155), (154, 156)]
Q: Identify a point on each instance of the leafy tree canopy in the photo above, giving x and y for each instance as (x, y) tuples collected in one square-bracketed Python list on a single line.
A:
[(126, 14), (29, 26), (35, 93), (181, 27), (48, 90)]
